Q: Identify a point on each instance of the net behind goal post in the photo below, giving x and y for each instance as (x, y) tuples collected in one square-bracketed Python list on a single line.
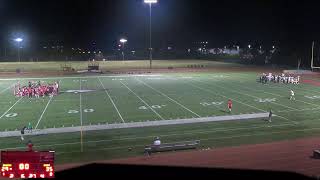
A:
[(315, 56)]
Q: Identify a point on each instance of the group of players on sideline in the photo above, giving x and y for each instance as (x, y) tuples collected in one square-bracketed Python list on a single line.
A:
[(36, 89), (283, 78)]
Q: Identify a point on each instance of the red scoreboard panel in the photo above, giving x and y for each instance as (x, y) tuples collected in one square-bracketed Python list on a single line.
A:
[(27, 164)]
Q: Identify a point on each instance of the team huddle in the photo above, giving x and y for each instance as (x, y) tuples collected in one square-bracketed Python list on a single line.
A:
[(36, 89), (283, 78)]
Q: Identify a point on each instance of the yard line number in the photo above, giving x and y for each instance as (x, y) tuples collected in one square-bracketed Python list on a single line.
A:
[(312, 97), (11, 115), (153, 107), (266, 100), (205, 104), (76, 111), (77, 80)]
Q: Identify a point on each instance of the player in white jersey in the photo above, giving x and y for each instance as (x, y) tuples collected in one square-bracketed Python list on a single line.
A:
[(292, 96)]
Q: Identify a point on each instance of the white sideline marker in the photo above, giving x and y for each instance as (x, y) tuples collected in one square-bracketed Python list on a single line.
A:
[(169, 98), (143, 101), (114, 105)]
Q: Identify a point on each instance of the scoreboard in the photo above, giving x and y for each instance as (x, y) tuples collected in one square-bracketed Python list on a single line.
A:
[(27, 164)]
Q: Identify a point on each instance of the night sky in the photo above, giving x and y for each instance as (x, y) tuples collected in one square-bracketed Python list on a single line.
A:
[(176, 22)]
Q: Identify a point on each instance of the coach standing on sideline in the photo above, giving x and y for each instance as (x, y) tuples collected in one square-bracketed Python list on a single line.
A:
[(270, 116)]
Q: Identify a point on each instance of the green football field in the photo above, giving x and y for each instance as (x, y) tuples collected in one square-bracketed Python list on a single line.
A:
[(106, 100)]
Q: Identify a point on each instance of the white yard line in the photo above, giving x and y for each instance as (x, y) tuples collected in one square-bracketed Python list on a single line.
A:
[(143, 101), (169, 98), (11, 107), (45, 109), (114, 105), (4, 90), (213, 92), (237, 100)]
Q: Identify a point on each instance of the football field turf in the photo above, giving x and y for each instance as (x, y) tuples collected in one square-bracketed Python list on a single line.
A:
[(106, 100)]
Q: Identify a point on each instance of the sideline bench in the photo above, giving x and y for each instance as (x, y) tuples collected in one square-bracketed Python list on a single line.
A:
[(172, 147)]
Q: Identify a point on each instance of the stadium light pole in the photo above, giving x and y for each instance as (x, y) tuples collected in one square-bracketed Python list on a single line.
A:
[(19, 40), (150, 2), (123, 41)]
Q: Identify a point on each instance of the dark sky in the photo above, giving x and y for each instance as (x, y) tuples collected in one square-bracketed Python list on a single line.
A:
[(176, 22)]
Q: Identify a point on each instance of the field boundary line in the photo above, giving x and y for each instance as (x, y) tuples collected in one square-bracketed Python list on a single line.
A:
[(242, 117), (238, 100), (114, 105), (11, 107), (45, 109), (169, 98), (143, 101)]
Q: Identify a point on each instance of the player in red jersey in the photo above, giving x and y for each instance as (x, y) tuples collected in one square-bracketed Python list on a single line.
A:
[(230, 105)]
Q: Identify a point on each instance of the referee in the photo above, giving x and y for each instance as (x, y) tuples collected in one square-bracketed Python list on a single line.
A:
[(270, 116), (22, 132)]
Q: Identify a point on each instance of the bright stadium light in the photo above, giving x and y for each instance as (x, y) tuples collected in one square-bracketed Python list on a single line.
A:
[(123, 41), (249, 46), (150, 2), (19, 40)]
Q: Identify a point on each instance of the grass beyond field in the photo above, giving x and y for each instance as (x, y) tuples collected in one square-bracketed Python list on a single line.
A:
[(108, 65), (125, 99)]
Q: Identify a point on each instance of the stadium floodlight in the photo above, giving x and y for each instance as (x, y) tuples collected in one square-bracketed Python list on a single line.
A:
[(123, 41), (150, 2), (19, 40), (249, 46)]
